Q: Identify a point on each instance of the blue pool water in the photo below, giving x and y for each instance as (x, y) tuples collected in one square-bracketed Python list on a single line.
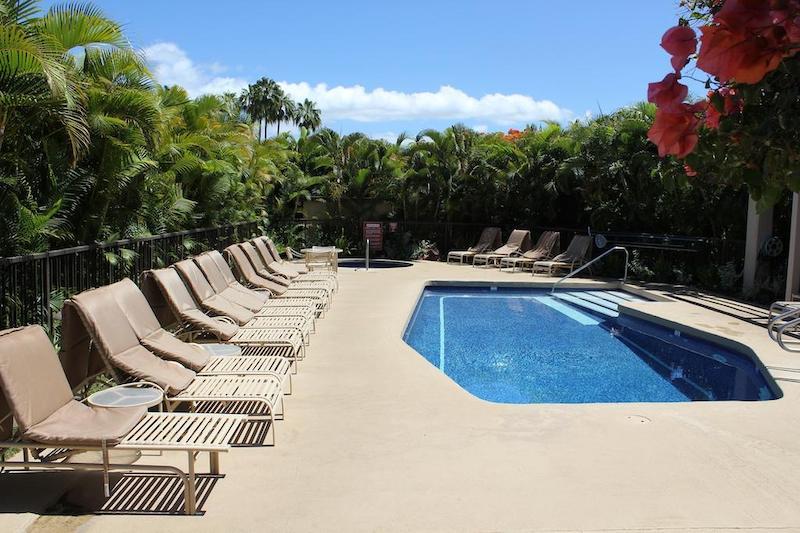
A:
[(511, 345)]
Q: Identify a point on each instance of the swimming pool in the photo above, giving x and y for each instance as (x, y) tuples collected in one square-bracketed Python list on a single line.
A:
[(522, 345)]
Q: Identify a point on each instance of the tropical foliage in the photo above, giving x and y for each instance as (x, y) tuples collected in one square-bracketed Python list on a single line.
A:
[(92, 148)]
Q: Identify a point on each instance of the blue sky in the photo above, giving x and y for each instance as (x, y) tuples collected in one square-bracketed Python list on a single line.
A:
[(379, 67)]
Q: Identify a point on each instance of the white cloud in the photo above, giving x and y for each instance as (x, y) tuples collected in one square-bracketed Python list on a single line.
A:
[(379, 105), (171, 65), (481, 128), (388, 136)]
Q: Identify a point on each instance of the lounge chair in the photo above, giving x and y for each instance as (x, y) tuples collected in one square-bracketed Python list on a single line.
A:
[(164, 287), (489, 240), (290, 277), (518, 242), (547, 246), (573, 257), (279, 330), (114, 340), (249, 264), (273, 306), (267, 266), (55, 429), (193, 356), (218, 282), (276, 285), (305, 270), (296, 267), (248, 299)]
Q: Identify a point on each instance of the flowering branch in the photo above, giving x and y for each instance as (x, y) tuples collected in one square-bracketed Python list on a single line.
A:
[(741, 42)]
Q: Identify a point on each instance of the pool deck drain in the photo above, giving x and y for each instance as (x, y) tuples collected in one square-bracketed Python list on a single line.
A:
[(376, 439)]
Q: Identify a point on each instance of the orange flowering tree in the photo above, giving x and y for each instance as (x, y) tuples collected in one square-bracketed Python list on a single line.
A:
[(747, 128)]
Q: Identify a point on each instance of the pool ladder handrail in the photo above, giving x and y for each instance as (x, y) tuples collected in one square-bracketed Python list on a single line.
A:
[(593, 261), (783, 316)]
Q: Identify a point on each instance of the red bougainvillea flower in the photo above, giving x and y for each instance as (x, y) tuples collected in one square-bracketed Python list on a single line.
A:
[(745, 58), (674, 130), (745, 15), (689, 171), (720, 103), (667, 92), (711, 116), (732, 102), (680, 42)]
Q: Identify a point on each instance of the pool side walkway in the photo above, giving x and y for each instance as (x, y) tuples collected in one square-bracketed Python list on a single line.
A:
[(376, 439)]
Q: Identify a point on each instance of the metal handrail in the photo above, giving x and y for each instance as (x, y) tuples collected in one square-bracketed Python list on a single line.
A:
[(593, 261), (784, 317)]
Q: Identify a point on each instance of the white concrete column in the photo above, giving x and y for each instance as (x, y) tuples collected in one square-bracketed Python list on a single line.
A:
[(759, 228), (793, 269)]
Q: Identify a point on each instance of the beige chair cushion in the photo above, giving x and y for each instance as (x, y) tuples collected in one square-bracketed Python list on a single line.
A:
[(41, 400), (244, 267), (520, 240), (220, 286), (184, 306), (194, 279), (204, 292), (150, 334), (266, 279), (31, 376), (269, 262), (300, 269), (135, 306), (167, 346), (79, 358), (116, 339), (230, 279), (489, 239), (76, 424)]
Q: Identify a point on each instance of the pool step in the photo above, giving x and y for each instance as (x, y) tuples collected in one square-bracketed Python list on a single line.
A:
[(602, 302), (595, 300), (567, 310), (587, 304)]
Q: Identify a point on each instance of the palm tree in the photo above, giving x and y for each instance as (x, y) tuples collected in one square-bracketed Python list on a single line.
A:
[(36, 68), (284, 109), (308, 115)]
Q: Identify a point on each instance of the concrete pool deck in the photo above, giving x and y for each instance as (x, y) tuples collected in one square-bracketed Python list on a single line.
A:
[(377, 439)]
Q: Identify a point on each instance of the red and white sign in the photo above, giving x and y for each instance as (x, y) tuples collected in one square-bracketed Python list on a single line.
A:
[(374, 232)]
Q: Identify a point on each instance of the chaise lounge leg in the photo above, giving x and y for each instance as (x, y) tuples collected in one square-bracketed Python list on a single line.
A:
[(213, 460), (190, 487)]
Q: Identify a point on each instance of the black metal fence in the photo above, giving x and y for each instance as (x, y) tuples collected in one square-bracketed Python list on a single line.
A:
[(707, 262), (32, 287)]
